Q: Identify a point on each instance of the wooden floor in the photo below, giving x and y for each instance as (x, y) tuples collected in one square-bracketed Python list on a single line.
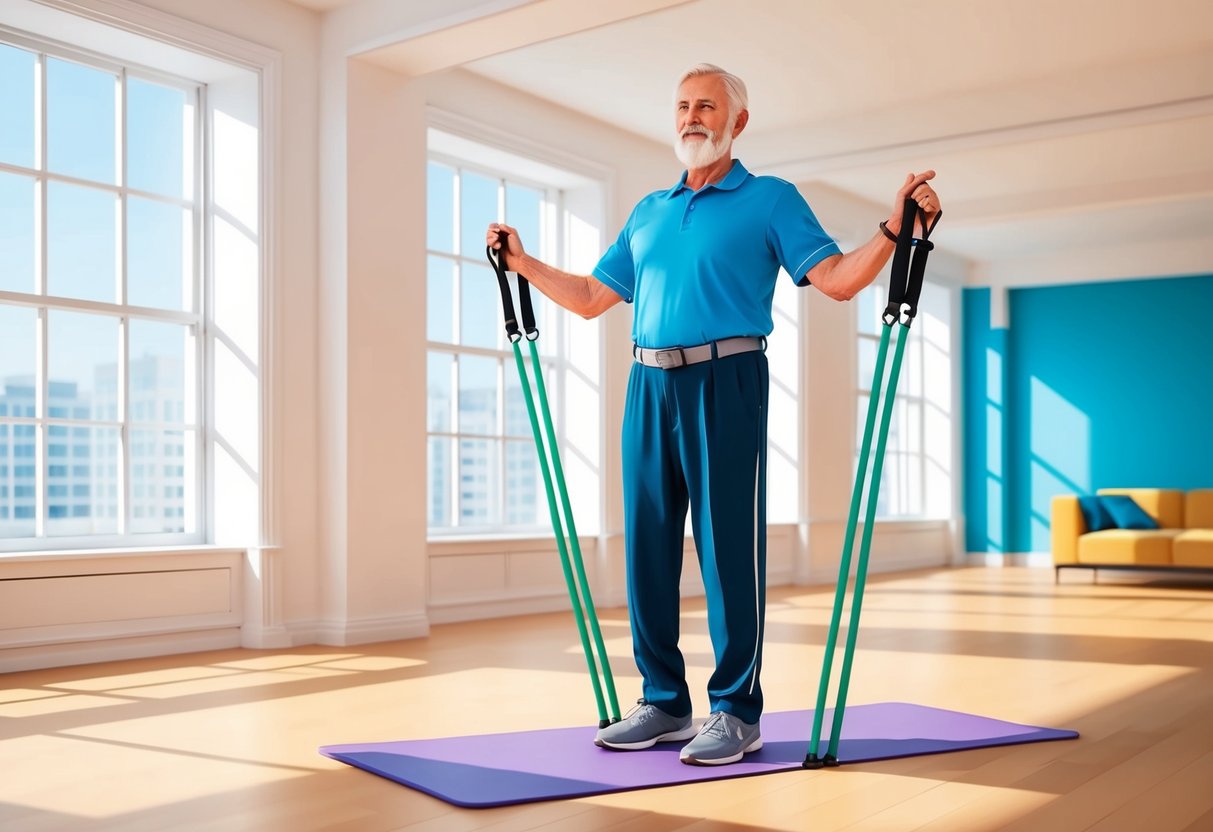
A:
[(227, 740)]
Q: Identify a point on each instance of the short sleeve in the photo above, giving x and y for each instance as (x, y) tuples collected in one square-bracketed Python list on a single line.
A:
[(616, 268), (797, 238)]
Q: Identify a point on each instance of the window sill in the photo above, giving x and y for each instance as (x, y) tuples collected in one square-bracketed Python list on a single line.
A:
[(116, 552)]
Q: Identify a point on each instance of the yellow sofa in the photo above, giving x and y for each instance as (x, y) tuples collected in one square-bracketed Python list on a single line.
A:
[(1183, 540)]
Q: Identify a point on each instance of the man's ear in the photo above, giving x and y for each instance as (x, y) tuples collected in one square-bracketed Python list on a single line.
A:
[(742, 119)]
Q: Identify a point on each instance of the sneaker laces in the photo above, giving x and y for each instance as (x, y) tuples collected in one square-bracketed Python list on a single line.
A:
[(642, 713), (716, 726)]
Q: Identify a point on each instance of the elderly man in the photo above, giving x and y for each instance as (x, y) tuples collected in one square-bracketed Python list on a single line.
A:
[(699, 261)]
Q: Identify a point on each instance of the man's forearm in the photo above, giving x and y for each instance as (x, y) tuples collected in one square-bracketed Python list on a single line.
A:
[(579, 294), (843, 277)]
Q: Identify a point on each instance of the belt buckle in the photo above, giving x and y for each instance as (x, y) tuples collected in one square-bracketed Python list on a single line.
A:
[(669, 359)]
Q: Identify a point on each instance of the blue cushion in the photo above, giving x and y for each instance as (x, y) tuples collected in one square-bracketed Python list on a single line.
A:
[(1126, 513), (1095, 515)]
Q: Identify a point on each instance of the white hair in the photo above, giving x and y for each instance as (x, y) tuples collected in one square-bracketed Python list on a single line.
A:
[(739, 99)]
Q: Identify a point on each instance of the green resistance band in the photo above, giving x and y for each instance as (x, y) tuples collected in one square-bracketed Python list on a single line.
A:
[(582, 601), (905, 288)]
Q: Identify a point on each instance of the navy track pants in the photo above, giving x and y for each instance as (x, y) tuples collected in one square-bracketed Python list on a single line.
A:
[(697, 435)]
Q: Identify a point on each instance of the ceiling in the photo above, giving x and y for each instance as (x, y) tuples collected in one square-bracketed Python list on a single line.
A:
[(1055, 127), (322, 5)]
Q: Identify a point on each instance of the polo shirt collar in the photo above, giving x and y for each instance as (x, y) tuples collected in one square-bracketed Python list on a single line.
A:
[(736, 175)]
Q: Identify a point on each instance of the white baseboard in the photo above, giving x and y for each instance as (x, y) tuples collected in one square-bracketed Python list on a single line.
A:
[(266, 638), (452, 611), (360, 631), (608, 600), (1033, 559), (827, 574), (106, 650), (449, 612), (780, 577)]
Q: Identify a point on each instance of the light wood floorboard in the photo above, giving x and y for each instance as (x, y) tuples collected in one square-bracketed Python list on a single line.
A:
[(227, 740)]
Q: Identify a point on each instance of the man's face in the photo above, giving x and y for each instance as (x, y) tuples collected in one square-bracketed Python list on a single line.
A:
[(704, 128)]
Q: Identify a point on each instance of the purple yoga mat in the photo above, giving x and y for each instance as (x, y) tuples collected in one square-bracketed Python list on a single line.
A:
[(500, 769)]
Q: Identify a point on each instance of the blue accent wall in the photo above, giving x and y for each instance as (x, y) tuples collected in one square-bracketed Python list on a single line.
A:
[(1094, 385), (985, 473)]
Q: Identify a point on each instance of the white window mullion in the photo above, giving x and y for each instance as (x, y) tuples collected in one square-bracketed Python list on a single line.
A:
[(455, 453), (120, 235), (124, 432), (40, 400), (456, 466), (40, 163), (457, 336), (122, 380), (915, 484), (452, 459), (549, 209), (500, 442), (456, 294), (197, 456), (40, 112), (40, 237), (120, 128), (453, 485), (457, 188), (202, 277), (204, 294)]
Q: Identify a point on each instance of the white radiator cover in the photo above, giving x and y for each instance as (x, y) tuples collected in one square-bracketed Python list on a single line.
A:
[(82, 608)]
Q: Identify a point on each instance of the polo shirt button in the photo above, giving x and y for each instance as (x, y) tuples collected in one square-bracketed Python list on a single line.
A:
[(692, 206)]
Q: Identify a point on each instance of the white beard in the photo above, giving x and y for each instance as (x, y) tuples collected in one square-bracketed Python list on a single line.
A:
[(700, 154)]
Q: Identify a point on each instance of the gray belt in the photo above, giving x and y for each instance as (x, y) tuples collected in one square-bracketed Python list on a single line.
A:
[(669, 359)]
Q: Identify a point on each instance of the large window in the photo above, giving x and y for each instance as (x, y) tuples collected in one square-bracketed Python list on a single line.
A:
[(100, 301), (483, 472), (916, 481)]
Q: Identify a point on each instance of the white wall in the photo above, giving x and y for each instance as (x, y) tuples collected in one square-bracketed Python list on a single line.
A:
[(295, 34)]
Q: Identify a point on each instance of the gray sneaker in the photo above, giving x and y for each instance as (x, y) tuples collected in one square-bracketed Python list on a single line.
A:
[(723, 739), (644, 727)]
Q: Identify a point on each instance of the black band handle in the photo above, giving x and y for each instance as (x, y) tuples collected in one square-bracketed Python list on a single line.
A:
[(918, 268), (524, 294), (909, 265), (503, 283), (528, 313), (899, 273)]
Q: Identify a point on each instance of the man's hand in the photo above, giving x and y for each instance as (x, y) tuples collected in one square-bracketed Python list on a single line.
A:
[(916, 188), (581, 294), (513, 252)]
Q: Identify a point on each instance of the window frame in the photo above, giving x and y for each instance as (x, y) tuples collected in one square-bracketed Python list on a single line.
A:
[(554, 362), (195, 318)]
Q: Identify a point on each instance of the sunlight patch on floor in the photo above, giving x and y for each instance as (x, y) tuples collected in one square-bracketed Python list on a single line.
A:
[(102, 776)]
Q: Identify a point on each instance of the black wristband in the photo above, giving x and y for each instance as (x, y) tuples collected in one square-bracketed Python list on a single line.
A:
[(884, 229)]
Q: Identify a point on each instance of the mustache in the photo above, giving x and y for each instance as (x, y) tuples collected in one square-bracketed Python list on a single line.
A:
[(697, 128)]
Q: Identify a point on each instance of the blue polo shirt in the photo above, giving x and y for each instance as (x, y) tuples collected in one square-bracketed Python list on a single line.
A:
[(701, 265)]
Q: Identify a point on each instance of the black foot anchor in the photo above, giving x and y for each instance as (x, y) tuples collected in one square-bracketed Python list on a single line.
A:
[(812, 761), (603, 723)]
